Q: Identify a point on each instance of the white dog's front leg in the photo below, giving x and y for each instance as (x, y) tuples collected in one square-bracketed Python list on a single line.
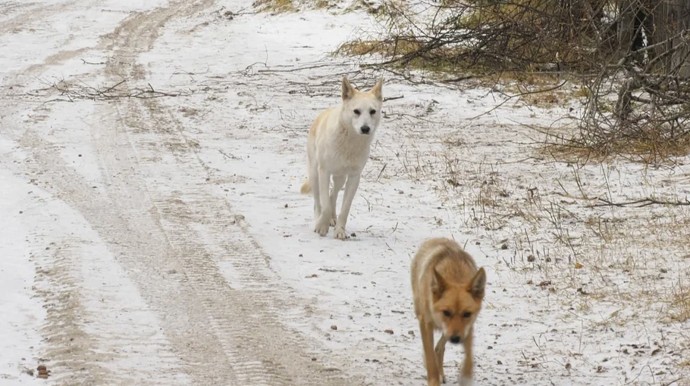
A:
[(350, 190), (338, 182), (323, 222)]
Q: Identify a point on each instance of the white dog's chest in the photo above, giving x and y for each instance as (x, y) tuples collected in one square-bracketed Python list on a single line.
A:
[(346, 159)]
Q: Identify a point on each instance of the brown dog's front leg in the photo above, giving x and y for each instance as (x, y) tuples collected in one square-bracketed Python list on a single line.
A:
[(432, 374), (440, 351), (466, 375)]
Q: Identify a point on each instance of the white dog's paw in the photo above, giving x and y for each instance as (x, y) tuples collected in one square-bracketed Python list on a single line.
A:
[(333, 218), (321, 229), (321, 226), (340, 233)]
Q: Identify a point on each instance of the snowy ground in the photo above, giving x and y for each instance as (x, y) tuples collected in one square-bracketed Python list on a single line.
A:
[(153, 231)]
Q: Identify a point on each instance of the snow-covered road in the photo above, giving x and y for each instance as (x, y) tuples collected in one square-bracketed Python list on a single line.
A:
[(151, 155)]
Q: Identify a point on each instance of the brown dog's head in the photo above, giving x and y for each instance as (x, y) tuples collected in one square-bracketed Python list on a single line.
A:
[(456, 305)]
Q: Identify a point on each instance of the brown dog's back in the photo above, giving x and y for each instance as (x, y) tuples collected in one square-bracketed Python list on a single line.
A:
[(444, 256)]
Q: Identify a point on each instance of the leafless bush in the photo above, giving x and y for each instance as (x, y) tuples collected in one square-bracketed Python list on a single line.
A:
[(632, 56), (641, 103), (635, 110), (496, 34)]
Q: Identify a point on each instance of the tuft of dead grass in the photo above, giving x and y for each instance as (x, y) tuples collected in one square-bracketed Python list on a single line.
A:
[(679, 305), (385, 47), (648, 150), (283, 6), (274, 6), (440, 61)]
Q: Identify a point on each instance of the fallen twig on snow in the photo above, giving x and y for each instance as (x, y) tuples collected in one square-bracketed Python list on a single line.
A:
[(641, 202), (74, 91)]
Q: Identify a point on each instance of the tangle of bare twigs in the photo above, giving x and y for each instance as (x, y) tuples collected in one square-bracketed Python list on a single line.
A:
[(71, 92), (631, 56)]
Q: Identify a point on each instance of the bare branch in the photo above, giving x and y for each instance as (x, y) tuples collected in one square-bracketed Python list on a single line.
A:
[(641, 202)]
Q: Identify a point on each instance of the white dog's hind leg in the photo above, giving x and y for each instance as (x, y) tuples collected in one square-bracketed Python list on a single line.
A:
[(323, 221), (338, 182), (350, 190), (314, 182)]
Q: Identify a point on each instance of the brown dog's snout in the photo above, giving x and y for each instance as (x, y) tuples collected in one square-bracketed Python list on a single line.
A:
[(455, 339)]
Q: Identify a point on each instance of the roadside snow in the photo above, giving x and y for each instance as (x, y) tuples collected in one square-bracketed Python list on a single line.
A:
[(545, 321), (23, 312)]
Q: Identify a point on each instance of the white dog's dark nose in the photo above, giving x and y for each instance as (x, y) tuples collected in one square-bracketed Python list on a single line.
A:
[(365, 129), (455, 339)]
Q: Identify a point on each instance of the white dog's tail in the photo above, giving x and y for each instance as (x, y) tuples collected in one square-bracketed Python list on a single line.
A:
[(306, 187)]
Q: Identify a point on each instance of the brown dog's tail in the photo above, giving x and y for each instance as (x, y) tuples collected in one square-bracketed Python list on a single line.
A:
[(306, 187)]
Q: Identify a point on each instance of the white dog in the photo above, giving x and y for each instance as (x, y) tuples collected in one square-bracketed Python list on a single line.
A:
[(338, 148)]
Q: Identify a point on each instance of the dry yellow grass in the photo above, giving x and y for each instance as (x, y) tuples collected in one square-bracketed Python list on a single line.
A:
[(679, 307), (383, 47), (275, 6), (646, 150)]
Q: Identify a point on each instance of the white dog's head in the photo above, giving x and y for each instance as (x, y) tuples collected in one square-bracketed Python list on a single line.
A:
[(362, 110)]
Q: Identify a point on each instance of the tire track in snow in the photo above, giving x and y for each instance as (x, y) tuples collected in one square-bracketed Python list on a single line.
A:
[(16, 14), (84, 346), (245, 321), (96, 331)]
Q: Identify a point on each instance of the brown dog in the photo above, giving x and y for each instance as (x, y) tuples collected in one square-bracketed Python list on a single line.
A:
[(448, 290)]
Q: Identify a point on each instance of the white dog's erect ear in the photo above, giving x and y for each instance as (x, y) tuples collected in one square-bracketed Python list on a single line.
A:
[(348, 90), (377, 90), (477, 285)]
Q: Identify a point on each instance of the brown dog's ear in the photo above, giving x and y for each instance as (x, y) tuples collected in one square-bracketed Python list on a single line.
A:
[(377, 90), (348, 90), (477, 285), (438, 283)]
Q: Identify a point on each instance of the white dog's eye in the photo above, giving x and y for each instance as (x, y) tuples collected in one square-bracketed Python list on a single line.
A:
[(357, 112), (372, 111)]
